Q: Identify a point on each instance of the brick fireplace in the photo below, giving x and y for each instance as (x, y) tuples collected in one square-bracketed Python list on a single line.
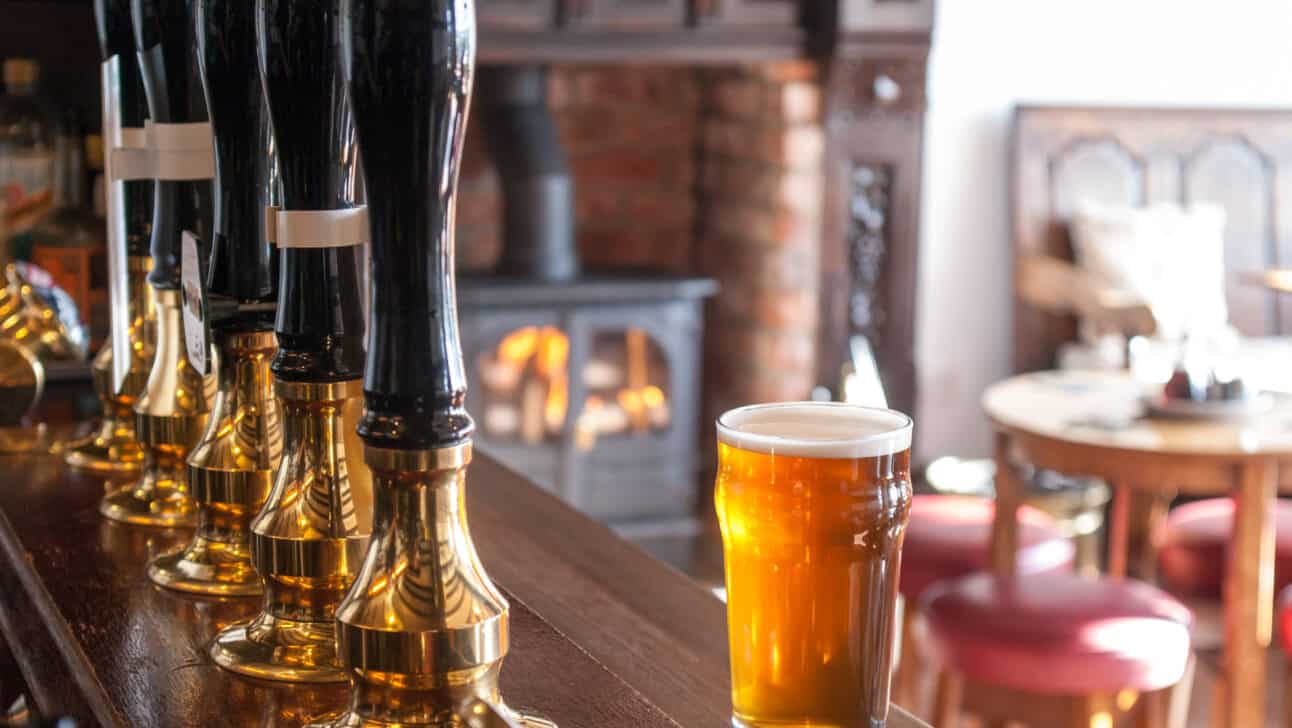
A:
[(712, 172)]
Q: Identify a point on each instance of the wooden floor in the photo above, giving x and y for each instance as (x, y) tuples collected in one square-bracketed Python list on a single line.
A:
[(700, 557)]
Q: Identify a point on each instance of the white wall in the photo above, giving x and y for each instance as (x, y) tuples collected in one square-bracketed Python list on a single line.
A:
[(989, 55)]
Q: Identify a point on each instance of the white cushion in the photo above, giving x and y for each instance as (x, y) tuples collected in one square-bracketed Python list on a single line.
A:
[(1169, 257)]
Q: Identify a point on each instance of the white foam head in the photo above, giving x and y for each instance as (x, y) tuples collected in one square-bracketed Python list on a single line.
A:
[(816, 430)]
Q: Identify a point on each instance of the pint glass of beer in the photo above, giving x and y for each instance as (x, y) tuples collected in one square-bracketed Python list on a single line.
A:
[(813, 500)]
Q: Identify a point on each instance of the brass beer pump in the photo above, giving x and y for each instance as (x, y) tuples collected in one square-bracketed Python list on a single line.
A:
[(308, 539), (112, 447), (423, 632), (231, 469), (172, 410)]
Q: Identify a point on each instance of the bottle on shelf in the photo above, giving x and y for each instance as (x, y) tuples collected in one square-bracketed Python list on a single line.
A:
[(70, 242), (26, 157)]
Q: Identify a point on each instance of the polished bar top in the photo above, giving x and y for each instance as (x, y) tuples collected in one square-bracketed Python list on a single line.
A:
[(603, 635)]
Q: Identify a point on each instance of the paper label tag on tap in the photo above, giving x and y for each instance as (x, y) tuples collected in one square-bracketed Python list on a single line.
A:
[(197, 326)]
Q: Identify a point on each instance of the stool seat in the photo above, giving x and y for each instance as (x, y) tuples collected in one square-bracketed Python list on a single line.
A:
[(1058, 634), (1285, 619), (1193, 546), (950, 536)]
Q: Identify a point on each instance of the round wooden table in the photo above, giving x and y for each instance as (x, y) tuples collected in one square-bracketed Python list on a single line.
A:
[(1094, 423)]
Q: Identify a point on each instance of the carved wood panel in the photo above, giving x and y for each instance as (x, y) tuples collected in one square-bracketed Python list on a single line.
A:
[(875, 128), (516, 14), (627, 14), (747, 12), (1238, 159)]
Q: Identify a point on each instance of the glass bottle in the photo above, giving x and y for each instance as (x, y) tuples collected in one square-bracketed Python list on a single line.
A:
[(26, 157)]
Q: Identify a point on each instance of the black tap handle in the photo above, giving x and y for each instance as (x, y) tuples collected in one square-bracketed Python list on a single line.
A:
[(164, 43), (410, 65), (320, 312), (116, 38), (240, 257)]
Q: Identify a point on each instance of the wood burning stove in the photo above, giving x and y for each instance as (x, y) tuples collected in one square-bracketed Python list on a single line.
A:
[(586, 382)]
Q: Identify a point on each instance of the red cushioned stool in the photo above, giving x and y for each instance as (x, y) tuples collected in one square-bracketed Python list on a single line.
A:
[(950, 536), (1285, 637), (1057, 649), (1193, 546)]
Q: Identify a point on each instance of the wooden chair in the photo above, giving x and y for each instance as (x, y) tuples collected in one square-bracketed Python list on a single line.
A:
[(1058, 649)]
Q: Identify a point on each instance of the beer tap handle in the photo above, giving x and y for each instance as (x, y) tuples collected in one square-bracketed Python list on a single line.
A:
[(116, 40), (410, 65), (226, 53), (163, 32), (320, 313)]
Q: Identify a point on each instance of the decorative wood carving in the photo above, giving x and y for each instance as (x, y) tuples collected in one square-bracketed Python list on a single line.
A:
[(875, 125), (868, 211), (1240, 159)]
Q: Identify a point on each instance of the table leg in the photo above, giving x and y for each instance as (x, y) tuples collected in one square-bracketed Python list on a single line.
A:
[(1009, 495), (1249, 596), (1119, 531)]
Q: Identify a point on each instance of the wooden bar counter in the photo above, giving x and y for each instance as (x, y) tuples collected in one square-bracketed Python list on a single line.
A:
[(603, 635)]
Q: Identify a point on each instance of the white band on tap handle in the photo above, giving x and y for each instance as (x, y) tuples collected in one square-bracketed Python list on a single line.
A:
[(169, 152), (131, 160), (181, 151), (317, 228)]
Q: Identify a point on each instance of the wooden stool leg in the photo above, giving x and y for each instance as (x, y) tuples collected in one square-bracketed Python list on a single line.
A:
[(1287, 693), (1119, 531), (946, 710), (1153, 709), (1150, 513), (1082, 711), (1177, 714), (1088, 711)]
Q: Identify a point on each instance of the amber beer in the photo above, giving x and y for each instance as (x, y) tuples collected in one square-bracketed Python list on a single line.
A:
[(813, 500)]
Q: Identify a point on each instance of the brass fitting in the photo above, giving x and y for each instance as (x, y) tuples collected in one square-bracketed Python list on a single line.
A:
[(112, 447), (170, 415), (423, 632), (230, 473), (308, 540)]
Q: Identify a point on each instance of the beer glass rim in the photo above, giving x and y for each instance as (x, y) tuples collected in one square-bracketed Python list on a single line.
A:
[(894, 435)]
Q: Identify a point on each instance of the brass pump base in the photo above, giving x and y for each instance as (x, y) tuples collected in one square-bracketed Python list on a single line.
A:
[(230, 472), (113, 448), (423, 632), (307, 541), (170, 415)]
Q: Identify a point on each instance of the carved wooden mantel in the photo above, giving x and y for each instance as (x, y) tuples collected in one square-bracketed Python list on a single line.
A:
[(873, 53)]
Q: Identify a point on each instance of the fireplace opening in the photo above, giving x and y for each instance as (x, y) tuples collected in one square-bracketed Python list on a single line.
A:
[(525, 386), (586, 378)]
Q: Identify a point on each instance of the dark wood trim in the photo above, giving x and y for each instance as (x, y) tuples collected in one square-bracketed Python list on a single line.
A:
[(874, 122), (41, 641), (690, 46)]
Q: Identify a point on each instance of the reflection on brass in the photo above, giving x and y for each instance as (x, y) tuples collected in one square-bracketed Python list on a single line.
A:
[(230, 472), (169, 417), (22, 379), (308, 539), (291, 706), (112, 447), (423, 632), (28, 319)]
